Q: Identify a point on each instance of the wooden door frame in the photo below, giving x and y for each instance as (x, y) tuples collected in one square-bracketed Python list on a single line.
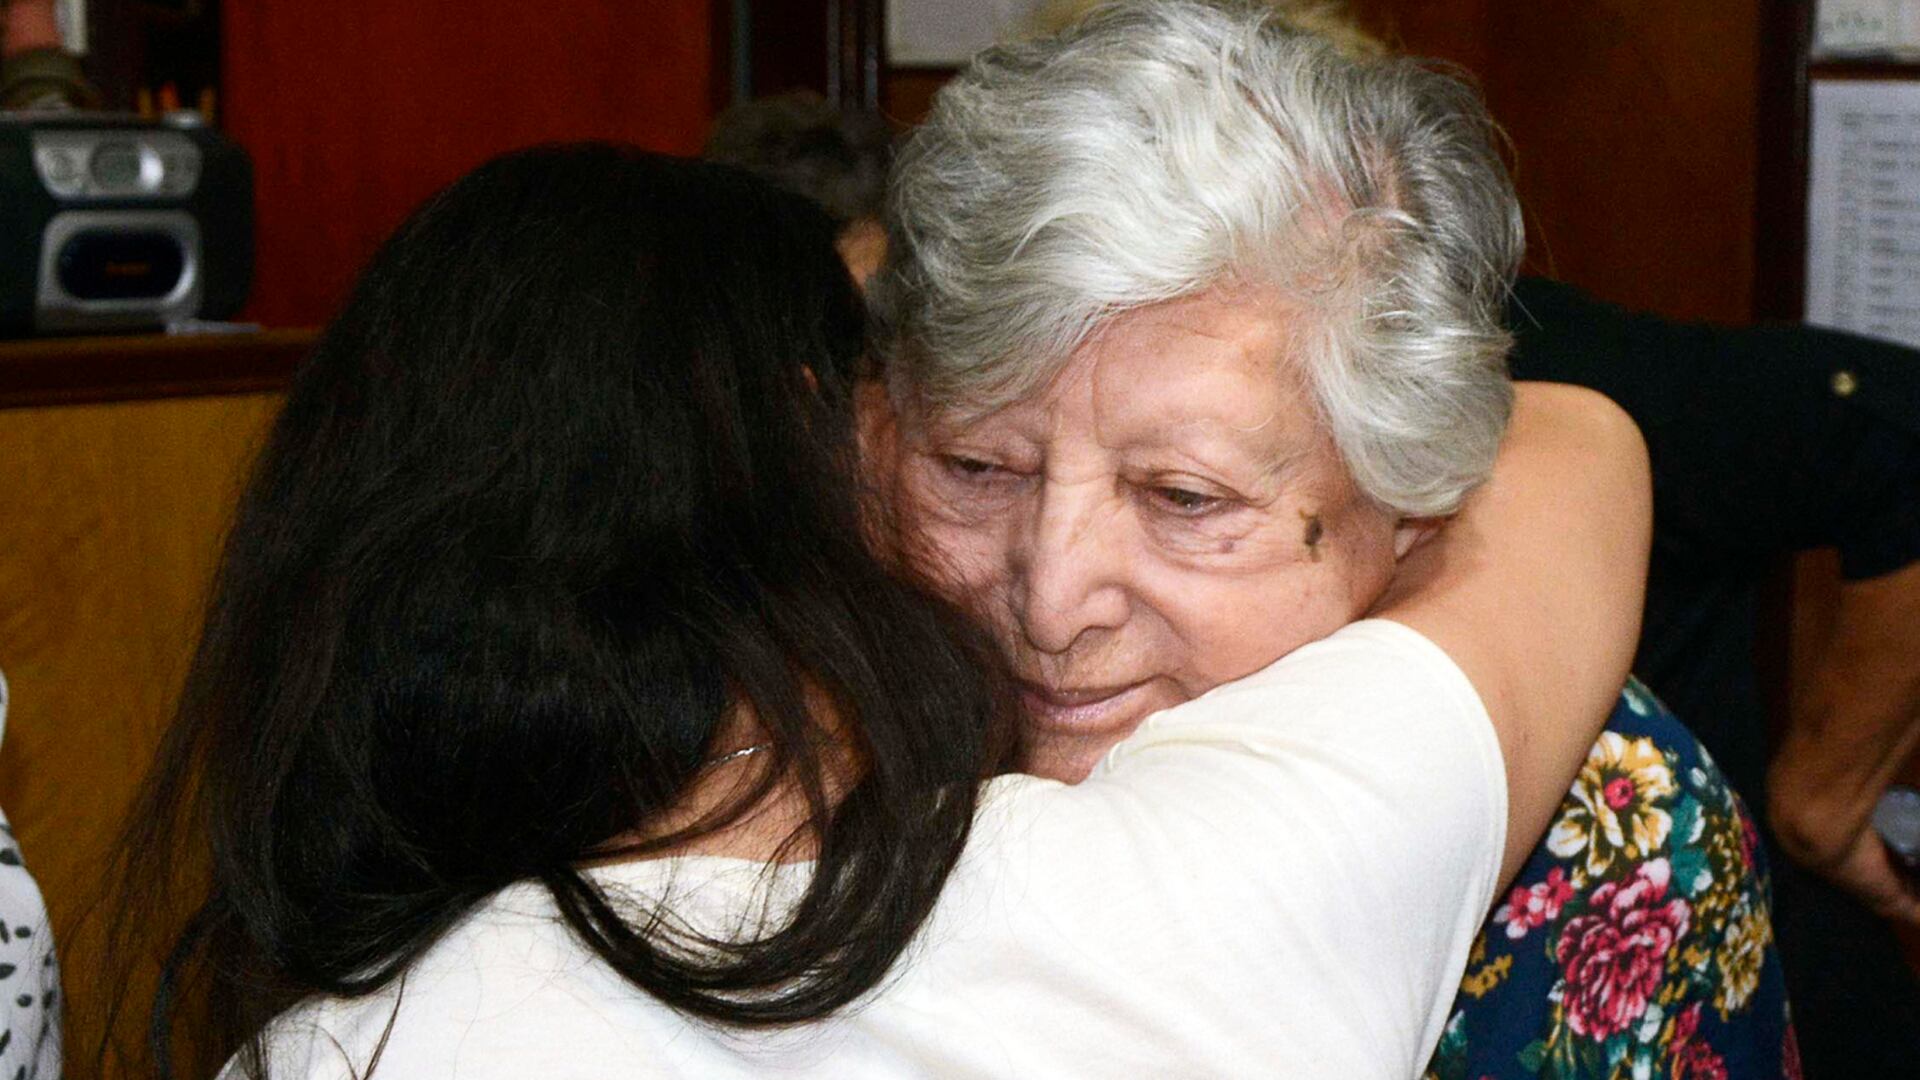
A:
[(832, 47)]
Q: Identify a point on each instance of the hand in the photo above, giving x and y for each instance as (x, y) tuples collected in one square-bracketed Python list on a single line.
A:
[(1867, 871), (1851, 855)]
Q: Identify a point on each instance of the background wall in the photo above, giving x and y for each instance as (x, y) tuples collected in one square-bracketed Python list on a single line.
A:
[(1636, 124), (356, 110), (1635, 128)]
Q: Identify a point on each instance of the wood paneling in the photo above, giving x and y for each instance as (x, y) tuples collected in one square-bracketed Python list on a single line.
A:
[(354, 111), (112, 517), (1635, 133), (787, 46), (906, 94), (1454, 29), (70, 371)]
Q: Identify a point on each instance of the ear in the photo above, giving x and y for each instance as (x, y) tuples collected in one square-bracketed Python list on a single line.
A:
[(1411, 532), (863, 247), (812, 380)]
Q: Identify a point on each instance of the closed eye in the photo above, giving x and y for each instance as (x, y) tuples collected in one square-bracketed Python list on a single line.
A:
[(961, 465), (1187, 503)]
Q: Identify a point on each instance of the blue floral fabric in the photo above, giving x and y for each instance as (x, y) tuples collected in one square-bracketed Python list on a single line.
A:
[(1637, 942)]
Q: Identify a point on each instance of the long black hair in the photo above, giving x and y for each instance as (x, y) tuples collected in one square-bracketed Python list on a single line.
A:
[(568, 483)]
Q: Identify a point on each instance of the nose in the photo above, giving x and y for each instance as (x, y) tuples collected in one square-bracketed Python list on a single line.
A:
[(1070, 567)]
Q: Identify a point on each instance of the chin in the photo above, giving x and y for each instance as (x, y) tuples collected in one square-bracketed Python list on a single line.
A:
[(1067, 758)]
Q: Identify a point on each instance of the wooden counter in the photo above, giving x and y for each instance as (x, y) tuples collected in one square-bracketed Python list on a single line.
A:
[(67, 371), (120, 462)]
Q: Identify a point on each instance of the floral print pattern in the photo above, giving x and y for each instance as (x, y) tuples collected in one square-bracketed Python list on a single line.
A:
[(1616, 807), (1637, 942), (1615, 954)]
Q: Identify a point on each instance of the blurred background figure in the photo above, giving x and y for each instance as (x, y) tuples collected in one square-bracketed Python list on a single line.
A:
[(804, 144), (36, 72)]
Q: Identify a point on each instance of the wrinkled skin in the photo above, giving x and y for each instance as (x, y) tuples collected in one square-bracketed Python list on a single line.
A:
[(1167, 515)]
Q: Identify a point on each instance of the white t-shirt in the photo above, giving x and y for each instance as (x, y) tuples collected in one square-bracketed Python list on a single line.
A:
[(1280, 878)]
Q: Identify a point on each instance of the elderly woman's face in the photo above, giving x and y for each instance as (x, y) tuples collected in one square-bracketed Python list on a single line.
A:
[(1164, 517)]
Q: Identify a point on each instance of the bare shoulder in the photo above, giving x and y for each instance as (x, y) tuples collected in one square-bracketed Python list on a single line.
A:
[(1562, 416)]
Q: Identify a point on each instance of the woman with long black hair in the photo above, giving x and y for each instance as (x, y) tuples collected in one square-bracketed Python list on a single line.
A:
[(552, 718)]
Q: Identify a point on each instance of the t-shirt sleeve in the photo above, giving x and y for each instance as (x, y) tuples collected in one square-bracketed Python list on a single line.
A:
[(1288, 870)]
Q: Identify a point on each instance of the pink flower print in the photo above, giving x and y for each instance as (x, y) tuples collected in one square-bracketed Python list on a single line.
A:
[(1693, 1060), (1619, 792), (1686, 1025), (1613, 956), (1697, 1061), (1790, 1055), (1535, 905), (1749, 839)]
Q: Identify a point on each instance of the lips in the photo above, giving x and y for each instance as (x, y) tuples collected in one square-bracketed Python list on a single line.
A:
[(1081, 709)]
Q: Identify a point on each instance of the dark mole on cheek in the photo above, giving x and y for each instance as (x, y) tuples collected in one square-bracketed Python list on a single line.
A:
[(1314, 532), (1226, 547)]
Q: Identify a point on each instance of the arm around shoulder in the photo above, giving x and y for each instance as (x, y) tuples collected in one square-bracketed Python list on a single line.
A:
[(1535, 589), (1252, 829)]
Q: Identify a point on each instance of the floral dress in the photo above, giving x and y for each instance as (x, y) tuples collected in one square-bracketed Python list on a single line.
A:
[(1637, 942)]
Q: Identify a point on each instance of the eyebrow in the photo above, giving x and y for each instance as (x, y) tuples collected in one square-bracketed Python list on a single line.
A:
[(1268, 462)]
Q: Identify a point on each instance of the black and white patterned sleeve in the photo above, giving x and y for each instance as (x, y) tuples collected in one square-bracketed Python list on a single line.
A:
[(29, 972)]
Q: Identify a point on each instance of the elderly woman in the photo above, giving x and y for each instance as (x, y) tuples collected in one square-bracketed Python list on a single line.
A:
[(1193, 335)]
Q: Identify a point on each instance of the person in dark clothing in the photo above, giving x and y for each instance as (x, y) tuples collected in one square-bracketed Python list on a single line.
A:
[(1767, 441)]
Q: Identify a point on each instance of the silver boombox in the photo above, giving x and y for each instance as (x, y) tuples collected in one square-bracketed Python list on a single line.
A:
[(114, 223)]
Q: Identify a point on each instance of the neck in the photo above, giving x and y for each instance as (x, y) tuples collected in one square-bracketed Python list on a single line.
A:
[(778, 826)]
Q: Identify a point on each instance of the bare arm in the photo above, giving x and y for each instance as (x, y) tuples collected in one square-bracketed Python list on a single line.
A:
[(1852, 726), (1535, 590)]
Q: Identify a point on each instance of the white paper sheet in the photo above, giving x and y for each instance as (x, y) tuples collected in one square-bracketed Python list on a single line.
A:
[(946, 33), (1867, 28), (72, 18), (1863, 209)]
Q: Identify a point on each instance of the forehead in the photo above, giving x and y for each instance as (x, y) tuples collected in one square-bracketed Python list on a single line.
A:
[(1218, 368), (1216, 360)]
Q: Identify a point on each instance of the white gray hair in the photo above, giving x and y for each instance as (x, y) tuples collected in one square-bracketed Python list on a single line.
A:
[(1157, 150)]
